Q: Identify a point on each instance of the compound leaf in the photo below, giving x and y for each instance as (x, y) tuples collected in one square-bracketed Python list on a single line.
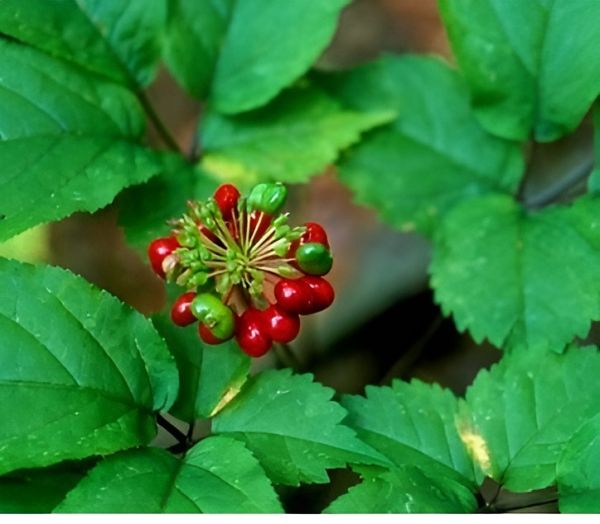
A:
[(218, 475), (68, 141), (577, 473), (289, 140), (532, 66), (413, 424), (523, 279), (293, 428), (267, 46), (209, 376), (80, 373), (120, 39), (405, 489), (518, 417), (434, 155)]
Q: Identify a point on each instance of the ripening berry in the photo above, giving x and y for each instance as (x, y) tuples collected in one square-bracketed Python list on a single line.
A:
[(158, 250)]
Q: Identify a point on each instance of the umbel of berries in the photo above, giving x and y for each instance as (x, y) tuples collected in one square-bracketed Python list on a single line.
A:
[(245, 272)]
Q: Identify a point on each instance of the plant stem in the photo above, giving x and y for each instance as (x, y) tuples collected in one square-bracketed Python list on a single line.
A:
[(409, 357), (189, 436), (507, 509), (174, 431), (290, 357), (157, 122), (580, 173)]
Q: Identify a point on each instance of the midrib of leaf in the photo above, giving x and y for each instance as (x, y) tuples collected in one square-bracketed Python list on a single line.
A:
[(103, 352), (299, 439), (540, 56), (535, 434), (171, 486), (506, 34), (62, 86), (249, 496), (535, 74), (456, 162), (59, 138), (520, 249), (131, 82), (130, 403), (522, 320), (44, 110), (296, 129), (172, 483), (412, 449)]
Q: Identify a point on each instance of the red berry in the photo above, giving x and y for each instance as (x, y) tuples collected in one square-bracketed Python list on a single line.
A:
[(281, 326), (322, 292), (251, 333), (227, 197), (181, 314), (158, 250), (294, 296), (207, 335), (315, 233), (259, 222)]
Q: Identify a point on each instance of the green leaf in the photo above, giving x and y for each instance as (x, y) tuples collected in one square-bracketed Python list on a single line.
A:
[(68, 141), (293, 428), (519, 415), (289, 140), (594, 181), (532, 66), (38, 490), (413, 424), (433, 155), (209, 376), (521, 279), (80, 373), (218, 475), (405, 489), (268, 45), (119, 39), (195, 32), (145, 209), (577, 473)]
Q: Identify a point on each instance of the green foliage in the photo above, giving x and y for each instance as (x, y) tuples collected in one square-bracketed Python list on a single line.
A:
[(532, 66), (289, 140), (415, 169), (145, 209), (497, 269), (200, 26), (405, 489), (293, 428), (258, 59), (594, 182), (518, 416), (119, 39), (432, 148), (91, 369), (62, 132), (38, 490), (412, 424), (208, 375), (218, 475), (577, 473)]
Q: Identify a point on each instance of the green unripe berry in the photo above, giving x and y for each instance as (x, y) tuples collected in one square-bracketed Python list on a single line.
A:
[(314, 258), (214, 314), (268, 198)]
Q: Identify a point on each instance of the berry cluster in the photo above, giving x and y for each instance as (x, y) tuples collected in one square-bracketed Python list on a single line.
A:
[(247, 273)]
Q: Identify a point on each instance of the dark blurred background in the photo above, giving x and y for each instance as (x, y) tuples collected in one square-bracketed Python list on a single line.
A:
[(384, 323)]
